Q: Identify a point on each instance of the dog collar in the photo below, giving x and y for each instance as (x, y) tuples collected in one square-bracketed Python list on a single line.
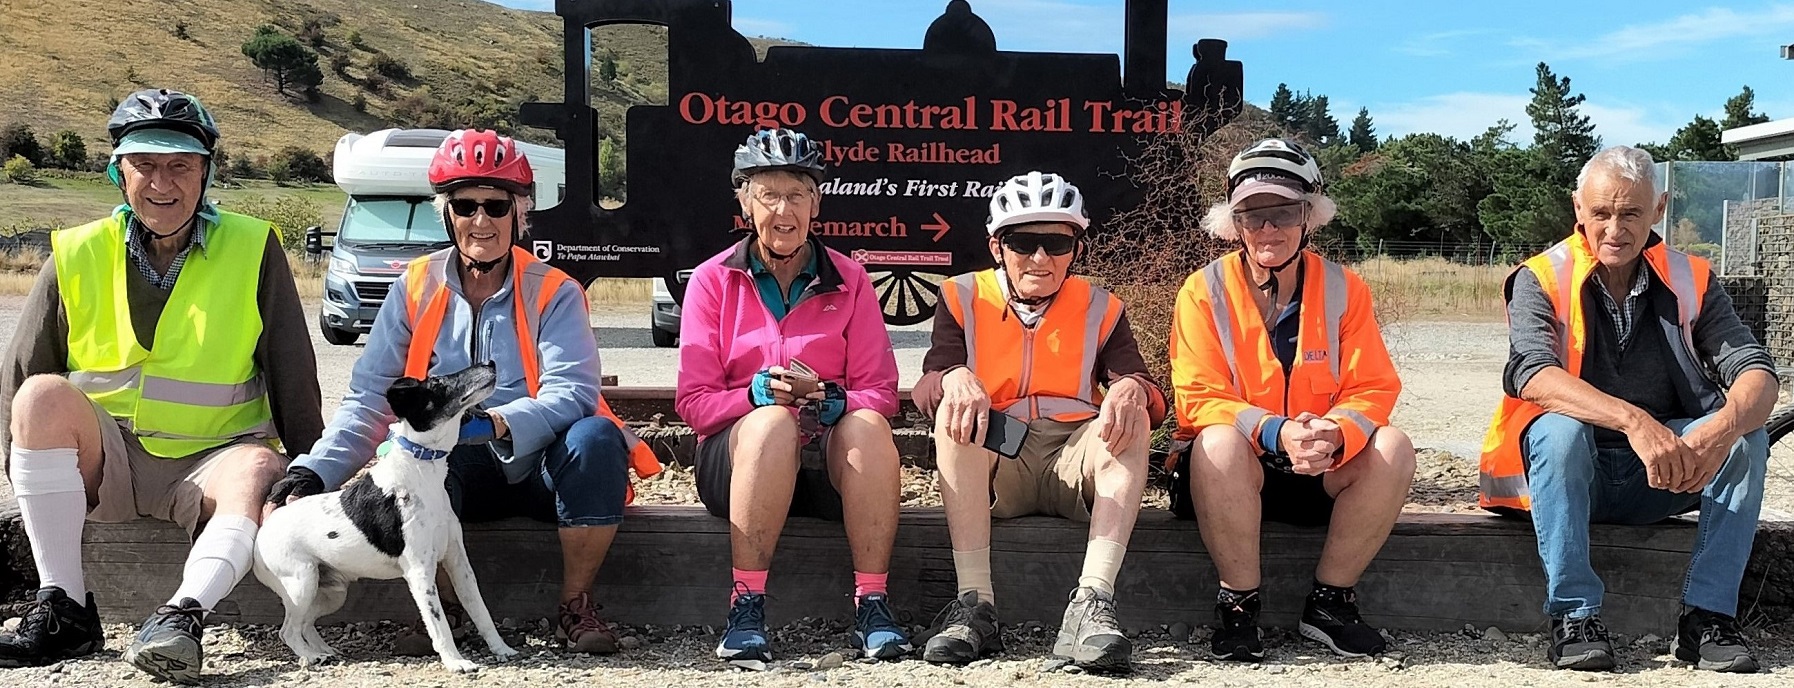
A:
[(422, 452)]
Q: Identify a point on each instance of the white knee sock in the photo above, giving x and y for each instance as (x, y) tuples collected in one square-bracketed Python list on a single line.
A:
[(53, 505), (219, 558)]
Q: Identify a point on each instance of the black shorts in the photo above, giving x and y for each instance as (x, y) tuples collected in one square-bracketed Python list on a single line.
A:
[(813, 496), (1292, 498)]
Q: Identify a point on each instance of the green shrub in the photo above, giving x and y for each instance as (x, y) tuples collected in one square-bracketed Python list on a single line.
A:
[(19, 170)]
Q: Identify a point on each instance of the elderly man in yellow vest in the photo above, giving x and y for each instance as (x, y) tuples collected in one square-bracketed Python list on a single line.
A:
[(143, 382), (1028, 344), (1634, 393)]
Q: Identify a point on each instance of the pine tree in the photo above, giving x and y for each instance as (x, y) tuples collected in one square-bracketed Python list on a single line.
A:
[(1364, 133), (1285, 110), (1563, 138), (1738, 111), (1320, 128)]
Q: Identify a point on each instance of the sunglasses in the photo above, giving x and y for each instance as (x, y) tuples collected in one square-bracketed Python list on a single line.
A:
[(1026, 243), (495, 208), (1284, 216)]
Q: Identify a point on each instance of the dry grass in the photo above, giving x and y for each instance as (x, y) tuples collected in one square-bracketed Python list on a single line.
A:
[(1434, 289)]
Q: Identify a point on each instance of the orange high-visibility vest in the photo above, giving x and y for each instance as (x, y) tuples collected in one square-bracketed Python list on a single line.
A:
[(1226, 372), (1045, 371), (1563, 270), (533, 285)]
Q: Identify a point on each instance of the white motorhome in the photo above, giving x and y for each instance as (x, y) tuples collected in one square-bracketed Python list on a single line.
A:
[(389, 220)]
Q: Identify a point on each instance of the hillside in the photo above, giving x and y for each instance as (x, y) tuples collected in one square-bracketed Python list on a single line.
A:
[(65, 60)]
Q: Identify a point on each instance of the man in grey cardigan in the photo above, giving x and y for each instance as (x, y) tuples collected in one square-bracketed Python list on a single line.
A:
[(1634, 393)]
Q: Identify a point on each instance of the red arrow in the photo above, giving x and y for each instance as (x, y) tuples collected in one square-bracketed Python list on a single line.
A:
[(939, 227)]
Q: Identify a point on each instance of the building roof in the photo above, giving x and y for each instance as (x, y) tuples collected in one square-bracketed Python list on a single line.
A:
[(1759, 141)]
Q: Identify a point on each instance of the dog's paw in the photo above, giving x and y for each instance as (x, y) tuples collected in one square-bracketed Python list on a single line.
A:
[(503, 652), (460, 666), (317, 661)]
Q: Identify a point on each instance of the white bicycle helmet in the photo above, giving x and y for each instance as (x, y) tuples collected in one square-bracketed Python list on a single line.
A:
[(1280, 157), (1036, 197)]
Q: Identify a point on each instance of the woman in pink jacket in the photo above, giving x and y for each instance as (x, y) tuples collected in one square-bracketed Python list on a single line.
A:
[(771, 442)]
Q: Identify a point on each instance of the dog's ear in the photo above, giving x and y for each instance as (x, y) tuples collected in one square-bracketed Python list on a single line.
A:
[(410, 399)]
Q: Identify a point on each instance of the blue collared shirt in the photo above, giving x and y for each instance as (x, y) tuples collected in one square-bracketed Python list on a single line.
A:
[(777, 302)]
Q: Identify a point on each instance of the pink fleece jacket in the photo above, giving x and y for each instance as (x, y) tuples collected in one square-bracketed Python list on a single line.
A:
[(727, 335)]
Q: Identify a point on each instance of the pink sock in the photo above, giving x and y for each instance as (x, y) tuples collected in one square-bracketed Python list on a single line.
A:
[(754, 581), (868, 584)]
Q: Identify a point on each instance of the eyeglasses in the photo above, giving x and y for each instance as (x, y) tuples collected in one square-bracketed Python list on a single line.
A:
[(771, 199), (495, 207), (1026, 243), (1286, 216)]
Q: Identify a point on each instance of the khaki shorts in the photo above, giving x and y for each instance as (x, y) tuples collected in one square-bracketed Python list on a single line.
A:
[(1048, 478), (137, 484)]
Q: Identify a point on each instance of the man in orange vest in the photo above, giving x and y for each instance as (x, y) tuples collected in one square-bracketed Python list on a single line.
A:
[(545, 445), (1027, 341), (1634, 393), (1285, 388)]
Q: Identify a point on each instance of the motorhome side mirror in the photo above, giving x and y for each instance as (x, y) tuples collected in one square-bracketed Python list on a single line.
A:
[(314, 240)]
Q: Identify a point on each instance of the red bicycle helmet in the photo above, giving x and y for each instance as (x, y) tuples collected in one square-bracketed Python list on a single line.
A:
[(477, 157)]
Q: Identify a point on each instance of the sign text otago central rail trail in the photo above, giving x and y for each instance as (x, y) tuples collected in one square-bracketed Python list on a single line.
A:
[(915, 140)]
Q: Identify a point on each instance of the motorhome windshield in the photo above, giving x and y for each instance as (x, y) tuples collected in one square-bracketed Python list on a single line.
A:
[(392, 220)]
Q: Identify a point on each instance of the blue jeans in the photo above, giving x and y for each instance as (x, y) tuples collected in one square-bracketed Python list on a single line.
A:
[(581, 481), (1574, 484)]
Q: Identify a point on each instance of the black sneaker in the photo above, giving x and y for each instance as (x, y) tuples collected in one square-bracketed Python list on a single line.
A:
[(968, 632), (54, 628), (1090, 636), (1580, 644), (1237, 637), (167, 647), (1330, 618), (1712, 641)]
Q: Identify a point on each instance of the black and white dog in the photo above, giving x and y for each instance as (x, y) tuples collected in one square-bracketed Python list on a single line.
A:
[(394, 522)]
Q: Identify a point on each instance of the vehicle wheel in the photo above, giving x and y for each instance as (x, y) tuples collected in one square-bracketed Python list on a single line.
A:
[(1779, 479), (908, 297), (663, 338), (336, 336)]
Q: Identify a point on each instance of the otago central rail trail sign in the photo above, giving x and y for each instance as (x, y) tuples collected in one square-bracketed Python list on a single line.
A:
[(915, 139)]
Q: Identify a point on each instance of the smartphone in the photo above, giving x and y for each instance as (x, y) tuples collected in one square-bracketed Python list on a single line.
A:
[(1005, 434)]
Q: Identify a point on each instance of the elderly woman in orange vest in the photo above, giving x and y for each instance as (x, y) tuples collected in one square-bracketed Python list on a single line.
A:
[(1645, 406), (1283, 382), (545, 445)]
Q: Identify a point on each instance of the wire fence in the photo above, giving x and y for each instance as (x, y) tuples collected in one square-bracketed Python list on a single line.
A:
[(1463, 253)]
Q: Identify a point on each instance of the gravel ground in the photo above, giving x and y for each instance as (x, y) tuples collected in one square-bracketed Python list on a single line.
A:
[(1451, 378), (815, 652)]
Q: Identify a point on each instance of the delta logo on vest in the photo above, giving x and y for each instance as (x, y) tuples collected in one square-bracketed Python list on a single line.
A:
[(1315, 356), (535, 284), (1045, 371), (1562, 271)]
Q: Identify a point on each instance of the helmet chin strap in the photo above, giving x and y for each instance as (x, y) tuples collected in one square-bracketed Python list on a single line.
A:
[(481, 267), (1269, 286)]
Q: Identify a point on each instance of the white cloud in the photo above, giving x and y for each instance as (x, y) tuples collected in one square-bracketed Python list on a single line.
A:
[(1437, 44), (1464, 115), (1669, 38)]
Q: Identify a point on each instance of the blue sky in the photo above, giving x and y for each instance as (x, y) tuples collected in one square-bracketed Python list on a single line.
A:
[(1647, 66)]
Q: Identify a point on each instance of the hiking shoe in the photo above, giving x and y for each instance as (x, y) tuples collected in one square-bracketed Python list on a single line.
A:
[(875, 629), (1090, 636), (582, 630), (744, 642), (1712, 641), (968, 632), (1330, 617), (1237, 637), (54, 628), (1580, 644), (414, 641), (167, 647)]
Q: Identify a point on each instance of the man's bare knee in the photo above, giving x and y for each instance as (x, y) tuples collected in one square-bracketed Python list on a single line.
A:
[(1396, 451), (1222, 446), (48, 408), (246, 471)]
